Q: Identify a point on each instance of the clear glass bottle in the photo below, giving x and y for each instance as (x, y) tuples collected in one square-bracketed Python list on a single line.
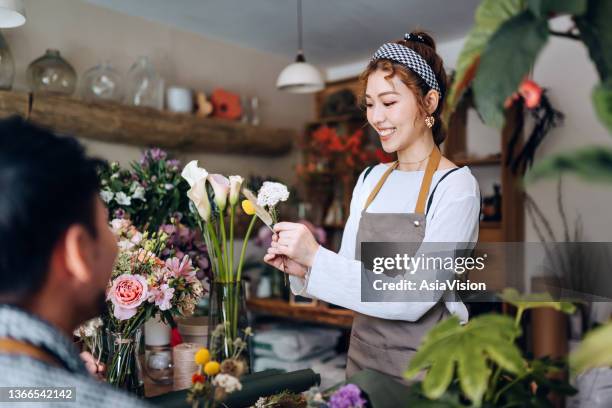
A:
[(51, 73), (143, 86), (101, 83), (7, 65)]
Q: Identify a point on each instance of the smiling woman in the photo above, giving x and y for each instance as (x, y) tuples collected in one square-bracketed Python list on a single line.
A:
[(403, 88)]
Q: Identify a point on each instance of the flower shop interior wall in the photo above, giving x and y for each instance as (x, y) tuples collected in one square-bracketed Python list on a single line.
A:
[(87, 34)]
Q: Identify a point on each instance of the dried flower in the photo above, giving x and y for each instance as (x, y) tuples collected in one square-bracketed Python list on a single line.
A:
[(202, 356), (197, 378), (348, 396), (233, 367), (227, 382), (212, 368)]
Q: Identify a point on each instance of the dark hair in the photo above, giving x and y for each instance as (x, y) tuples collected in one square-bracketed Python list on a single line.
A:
[(426, 49), (47, 184)]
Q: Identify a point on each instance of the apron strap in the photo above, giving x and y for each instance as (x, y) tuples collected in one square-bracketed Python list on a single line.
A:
[(16, 347), (379, 185), (432, 165)]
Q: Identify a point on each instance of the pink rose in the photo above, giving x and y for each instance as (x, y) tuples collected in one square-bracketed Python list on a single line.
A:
[(127, 293)]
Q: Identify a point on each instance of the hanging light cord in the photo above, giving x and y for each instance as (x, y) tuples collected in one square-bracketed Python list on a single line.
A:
[(299, 16)]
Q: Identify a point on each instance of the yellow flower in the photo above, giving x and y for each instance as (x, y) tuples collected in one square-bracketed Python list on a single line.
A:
[(212, 368), (247, 207), (202, 356)]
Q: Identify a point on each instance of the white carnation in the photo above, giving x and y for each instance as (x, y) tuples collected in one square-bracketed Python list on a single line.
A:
[(271, 193), (228, 382)]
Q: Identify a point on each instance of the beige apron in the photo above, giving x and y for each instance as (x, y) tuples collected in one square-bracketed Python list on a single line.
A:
[(388, 345)]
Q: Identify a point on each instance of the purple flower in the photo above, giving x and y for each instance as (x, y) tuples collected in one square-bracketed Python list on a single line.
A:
[(174, 164), (157, 154), (119, 213), (348, 396)]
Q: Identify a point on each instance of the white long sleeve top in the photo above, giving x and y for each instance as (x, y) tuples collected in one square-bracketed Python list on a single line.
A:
[(452, 217)]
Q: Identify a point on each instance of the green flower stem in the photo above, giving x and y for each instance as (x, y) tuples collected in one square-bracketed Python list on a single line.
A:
[(224, 244), (217, 249), (244, 246), (231, 249)]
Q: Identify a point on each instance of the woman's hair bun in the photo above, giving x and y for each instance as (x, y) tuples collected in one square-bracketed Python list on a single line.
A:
[(422, 37)]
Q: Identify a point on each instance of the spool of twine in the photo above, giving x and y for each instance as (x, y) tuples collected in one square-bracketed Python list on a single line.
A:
[(184, 364)]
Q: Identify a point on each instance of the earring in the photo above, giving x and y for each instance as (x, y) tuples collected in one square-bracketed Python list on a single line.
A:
[(429, 121)]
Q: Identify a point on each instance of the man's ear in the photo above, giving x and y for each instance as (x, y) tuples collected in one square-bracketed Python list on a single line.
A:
[(79, 252), (432, 99)]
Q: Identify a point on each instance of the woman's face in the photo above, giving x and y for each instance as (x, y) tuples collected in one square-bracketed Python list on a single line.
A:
[(392, 111)]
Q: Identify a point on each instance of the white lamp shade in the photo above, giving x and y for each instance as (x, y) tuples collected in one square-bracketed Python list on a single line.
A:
[(300, 77), (12, 13)]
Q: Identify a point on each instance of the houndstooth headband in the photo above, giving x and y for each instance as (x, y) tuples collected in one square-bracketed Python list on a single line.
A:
[(409, 58)]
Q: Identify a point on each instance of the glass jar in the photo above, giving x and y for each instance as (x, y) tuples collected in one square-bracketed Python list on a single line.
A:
[(52, 74), (7, 65), (143, 86), (101, 83)]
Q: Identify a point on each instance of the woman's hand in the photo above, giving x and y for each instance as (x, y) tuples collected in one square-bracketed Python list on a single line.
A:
[(284, 264), (93, 367), (294, 241)]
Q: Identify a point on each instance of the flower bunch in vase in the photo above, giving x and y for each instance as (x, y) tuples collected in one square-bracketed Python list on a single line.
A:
[(214, 199), (215, 380), (142, 286)]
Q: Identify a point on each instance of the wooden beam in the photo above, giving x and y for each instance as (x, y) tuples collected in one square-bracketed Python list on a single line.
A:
[(112, 122)]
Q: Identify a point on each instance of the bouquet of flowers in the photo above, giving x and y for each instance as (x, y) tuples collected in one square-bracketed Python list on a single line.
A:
[(143, 285), (214, 199), (214, 381), (347, 396), (149, 193)]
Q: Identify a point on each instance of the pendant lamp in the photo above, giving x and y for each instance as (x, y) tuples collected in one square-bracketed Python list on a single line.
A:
[(12, 13), (300, 77)]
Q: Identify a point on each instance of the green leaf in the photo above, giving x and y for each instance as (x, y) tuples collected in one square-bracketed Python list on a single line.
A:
[(602, 100), (490, 14), (474, 374), (593, 163), (471, 346), (595, 31), (506, 60), (543, 8), (535, 300), (594, 351)]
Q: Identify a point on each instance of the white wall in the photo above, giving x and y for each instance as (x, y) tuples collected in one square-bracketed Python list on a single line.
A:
[(86, 34)]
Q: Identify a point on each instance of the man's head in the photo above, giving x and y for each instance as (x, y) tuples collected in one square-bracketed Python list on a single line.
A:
[(56, 250)]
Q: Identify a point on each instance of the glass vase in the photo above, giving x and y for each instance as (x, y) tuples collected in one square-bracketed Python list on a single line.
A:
[(123, 369), (7, 65), (51, 73), (101, 83), (143, 86), (228, 310)]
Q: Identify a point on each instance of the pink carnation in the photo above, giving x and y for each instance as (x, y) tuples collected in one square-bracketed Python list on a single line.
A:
[(127, 293)]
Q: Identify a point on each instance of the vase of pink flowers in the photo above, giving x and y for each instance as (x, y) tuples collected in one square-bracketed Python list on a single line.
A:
[(142, 286)]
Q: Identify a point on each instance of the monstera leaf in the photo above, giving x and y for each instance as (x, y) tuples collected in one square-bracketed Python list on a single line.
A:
[(506, 60), (594, 351), (470, 348), (591, 163), (489, 16), (535, 300), (602, 100)]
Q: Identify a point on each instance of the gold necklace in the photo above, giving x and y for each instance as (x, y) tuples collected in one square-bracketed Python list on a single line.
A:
[(415, 162)]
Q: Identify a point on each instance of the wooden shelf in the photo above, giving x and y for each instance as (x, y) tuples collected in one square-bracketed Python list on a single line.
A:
[(491, 224), (478, 161), (314, 314), (334, 119), (113, 122)]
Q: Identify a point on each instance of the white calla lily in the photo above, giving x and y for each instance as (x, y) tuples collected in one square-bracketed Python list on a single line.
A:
[(197, 194), (235, 185), (193, 174), (221, 186)]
